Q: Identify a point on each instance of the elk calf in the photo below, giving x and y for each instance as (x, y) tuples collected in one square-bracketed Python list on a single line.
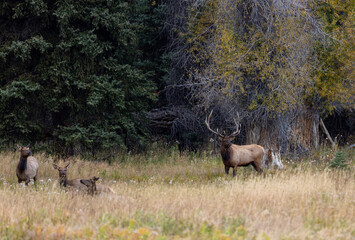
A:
[(64, 182), (90, 184), (27, 167), (234, 155), (94, 188)]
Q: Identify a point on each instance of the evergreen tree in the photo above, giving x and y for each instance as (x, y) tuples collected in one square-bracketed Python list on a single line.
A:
[(71, 73)]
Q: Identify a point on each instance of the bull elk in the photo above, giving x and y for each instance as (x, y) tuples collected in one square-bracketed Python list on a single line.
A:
[(27, 167), (64, 182), (234, 155)]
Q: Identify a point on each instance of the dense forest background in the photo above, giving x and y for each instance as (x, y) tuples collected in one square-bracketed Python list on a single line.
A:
[(98, 76)]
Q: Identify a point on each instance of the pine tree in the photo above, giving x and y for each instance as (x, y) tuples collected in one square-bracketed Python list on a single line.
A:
[(71, 74)]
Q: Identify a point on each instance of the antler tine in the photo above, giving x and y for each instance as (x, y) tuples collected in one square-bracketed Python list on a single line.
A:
[(238, 125), (207, 121)]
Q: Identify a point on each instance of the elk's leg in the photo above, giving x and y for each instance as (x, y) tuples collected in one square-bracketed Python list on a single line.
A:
[(27, 181), (35, 181), (234, 171), (226, 169), (257, 168)]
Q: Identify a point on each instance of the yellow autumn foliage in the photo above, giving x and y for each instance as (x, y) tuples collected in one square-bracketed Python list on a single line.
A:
[(271, 51)]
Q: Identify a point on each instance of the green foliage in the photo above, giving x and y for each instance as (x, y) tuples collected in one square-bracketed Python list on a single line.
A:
[(76, 73), (339, 161)]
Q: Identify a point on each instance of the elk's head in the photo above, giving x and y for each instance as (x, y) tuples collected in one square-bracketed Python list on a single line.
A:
[(25, 151), (91, 184), (62, 170), (226, 140)]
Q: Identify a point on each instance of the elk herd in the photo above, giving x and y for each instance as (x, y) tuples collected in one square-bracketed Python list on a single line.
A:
[(233, 156), (27, 169)]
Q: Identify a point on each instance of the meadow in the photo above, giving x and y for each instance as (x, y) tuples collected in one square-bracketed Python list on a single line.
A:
[(160, 195)]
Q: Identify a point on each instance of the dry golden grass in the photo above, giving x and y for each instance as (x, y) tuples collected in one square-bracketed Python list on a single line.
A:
[(174, 197)]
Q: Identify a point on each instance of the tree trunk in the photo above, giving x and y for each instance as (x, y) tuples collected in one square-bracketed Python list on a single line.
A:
[(316, 130), (327, 133), (253, 134), (304, 132)]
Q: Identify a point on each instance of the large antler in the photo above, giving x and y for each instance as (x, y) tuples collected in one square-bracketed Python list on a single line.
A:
[(207, 121), (237, 131)]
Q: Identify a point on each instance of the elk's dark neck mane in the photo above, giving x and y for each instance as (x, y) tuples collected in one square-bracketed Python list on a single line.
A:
[(22, 164), (226, 153), (63, 181)]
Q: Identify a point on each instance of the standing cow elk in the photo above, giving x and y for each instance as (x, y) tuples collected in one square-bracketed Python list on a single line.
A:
[(234, 155), (64, 182), (27, 167)]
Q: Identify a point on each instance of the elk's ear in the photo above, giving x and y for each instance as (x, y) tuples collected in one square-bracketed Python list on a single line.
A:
[(231, 138), (85, 182), (67, 166), (95, 178), (55, 166), (220, 138), (18, 147)]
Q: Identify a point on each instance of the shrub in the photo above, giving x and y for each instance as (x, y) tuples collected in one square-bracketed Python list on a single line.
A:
[(339, 161)]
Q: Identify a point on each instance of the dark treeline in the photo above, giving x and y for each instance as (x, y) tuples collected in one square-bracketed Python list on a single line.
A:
[(97, 76)]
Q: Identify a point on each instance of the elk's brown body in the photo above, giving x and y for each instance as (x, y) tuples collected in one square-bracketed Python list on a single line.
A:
[(240, 156), (100, 188), (27, 167), (234, 155), (74, 184)]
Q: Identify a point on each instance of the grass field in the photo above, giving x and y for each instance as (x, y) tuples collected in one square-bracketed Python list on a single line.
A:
[(160, 195)]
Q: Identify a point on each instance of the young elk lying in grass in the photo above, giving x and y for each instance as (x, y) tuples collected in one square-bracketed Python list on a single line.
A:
[(64, 182), (27, 167), (94, 188), (90, 184)]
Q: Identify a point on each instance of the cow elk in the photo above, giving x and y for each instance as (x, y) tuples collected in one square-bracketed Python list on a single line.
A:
[(63, 179), (27, 167), (235, 156)]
